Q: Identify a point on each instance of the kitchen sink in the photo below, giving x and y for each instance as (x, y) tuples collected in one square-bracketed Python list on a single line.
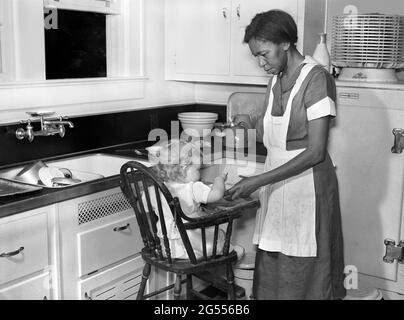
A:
[(100, 163), (82, 168)]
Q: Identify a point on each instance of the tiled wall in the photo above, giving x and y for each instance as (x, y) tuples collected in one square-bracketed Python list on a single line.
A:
[(94, 132)]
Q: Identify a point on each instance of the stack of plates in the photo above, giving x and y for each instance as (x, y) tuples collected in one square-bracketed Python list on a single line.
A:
[(368, 41), (197, 124)]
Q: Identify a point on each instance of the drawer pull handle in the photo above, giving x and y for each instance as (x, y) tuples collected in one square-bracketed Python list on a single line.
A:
[(11, 254), (117, 229)]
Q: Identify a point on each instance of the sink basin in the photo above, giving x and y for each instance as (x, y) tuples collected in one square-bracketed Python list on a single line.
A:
[(104, 164), (84, 168)]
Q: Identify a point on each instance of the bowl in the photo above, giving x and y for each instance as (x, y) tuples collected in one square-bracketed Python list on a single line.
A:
[(198, 121), (197, 130), (198, 115)]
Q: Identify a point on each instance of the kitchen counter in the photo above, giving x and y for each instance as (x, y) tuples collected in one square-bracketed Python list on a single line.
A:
[(20, 203)]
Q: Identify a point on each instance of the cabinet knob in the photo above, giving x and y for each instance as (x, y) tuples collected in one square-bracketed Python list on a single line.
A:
[(238, 11), (225, 13)]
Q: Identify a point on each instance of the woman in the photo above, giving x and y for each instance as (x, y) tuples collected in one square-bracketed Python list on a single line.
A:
[(298, 227)]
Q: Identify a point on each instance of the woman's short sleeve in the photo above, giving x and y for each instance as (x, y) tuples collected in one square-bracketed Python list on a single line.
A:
[(320, 95), (201, 192)]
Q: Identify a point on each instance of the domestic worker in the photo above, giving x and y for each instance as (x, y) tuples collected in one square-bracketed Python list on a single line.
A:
[(298, 227)]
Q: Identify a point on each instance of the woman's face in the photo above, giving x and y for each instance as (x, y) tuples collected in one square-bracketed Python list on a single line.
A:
[(271, 57)]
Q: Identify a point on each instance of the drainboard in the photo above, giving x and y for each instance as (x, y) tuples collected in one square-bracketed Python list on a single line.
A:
[(83, 168)]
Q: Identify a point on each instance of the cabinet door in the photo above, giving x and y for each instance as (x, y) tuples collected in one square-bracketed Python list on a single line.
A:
[(201, 32), (24, 246), (35, 288), (243, 63), (120, 282), (371, 180)]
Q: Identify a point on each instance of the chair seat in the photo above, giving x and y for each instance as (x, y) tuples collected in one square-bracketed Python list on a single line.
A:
[(184, 266)]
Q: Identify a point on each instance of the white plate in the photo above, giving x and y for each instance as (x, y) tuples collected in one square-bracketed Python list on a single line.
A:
[(47, 174)]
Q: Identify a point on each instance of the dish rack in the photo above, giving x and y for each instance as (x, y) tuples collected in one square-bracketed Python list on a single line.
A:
[(368, 47)]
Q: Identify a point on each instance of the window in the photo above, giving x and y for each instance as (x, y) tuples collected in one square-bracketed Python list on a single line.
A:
[(75, 46), (26, 82)]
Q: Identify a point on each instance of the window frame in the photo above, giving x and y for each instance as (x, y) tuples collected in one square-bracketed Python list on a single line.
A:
[(114, 7), (125, 62)]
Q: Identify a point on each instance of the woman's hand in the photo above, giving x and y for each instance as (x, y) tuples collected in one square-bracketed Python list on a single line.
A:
[(242, 189)]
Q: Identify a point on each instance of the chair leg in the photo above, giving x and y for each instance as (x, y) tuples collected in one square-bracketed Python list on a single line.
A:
[(189, 287), (230, 282), (145, 277), (177, 287)]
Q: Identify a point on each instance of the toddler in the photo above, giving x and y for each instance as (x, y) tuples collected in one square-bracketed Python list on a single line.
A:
[(178, 166)]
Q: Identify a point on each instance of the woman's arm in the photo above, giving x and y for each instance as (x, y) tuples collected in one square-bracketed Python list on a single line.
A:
[(313, 155)]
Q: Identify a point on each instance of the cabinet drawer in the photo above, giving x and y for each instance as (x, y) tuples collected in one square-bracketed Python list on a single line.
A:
[(118, 283), (110, 243), (24, 246), (35, 288)]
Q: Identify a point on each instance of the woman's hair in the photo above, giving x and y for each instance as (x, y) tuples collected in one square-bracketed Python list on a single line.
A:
[(174, 159), (276, 26)]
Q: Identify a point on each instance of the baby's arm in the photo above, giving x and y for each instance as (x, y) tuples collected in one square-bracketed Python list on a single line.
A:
[(218, 188)]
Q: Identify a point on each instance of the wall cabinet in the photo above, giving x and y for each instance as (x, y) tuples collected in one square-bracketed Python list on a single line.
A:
[(371, 181), (204, 40), (27, 262)]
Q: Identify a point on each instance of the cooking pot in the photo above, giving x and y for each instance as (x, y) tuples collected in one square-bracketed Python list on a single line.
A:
[(235, 135)]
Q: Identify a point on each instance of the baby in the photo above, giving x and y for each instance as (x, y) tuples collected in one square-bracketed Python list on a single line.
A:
[(178, 167)]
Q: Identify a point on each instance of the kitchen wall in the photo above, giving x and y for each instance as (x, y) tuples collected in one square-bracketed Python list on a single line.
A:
[(92, 133), (157, 91)]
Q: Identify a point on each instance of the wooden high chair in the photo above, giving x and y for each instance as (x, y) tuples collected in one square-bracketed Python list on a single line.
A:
[(136, 179)]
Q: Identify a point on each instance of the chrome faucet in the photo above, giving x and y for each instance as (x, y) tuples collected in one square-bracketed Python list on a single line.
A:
[(49, 126)]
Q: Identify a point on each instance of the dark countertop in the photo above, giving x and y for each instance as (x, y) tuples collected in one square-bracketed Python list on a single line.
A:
[(11, 205)]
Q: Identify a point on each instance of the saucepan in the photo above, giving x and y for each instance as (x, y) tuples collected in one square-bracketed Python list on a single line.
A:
[(235, 132)]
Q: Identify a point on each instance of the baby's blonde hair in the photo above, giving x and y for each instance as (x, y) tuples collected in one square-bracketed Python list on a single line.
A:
[(174, 159)]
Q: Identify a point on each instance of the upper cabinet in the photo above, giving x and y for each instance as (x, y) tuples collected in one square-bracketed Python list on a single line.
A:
[(204, 39)]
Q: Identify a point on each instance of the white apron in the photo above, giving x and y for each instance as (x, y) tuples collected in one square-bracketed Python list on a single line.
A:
[(286, 220)]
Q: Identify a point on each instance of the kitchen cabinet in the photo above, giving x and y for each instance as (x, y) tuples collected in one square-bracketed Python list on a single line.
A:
[(27, 260), (204, 40), (99, 239), (370, 181), (33, 288), (119, 282)]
